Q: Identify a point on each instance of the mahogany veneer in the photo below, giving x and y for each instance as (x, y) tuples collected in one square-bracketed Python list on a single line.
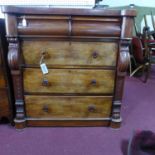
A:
[(6, 111), (87, 54)]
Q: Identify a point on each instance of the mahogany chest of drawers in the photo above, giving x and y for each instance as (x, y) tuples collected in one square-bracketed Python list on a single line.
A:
[(68, 65), (5, 94)]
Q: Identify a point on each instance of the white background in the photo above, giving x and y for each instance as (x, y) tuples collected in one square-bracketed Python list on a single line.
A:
[(149, 3)]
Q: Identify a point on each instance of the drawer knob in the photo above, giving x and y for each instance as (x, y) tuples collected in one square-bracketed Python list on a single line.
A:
[(95, 54), (43, 56), (45, 108), (91, 108), (45, 82), (93, 82)]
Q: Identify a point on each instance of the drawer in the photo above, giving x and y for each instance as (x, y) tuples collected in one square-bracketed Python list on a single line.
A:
[(69, 81), (67, 106), (73, 53), (69, 26), (2, 79)]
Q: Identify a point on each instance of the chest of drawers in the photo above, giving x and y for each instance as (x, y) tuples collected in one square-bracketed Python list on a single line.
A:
[(5, 94), (86, 53)]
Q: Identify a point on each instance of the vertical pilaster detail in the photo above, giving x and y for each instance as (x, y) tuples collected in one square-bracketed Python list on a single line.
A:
[(122, 65), (123, 62), (14, 64)]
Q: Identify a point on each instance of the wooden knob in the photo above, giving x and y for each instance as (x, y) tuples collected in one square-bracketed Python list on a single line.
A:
[(95, 54), (91, 108), (45, 108), (43, 52), (44, 55), (45, 82), (93, 82)]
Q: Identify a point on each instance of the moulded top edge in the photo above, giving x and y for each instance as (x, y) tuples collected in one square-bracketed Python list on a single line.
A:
[(68, 11)]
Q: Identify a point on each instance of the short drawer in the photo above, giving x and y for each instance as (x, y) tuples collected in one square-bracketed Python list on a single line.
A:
[(67, 106), (69, 81), (70, 53)]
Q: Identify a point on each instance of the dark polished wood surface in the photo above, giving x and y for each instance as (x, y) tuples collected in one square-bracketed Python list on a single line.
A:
[(6, 108), (68, 11), (86, 52)]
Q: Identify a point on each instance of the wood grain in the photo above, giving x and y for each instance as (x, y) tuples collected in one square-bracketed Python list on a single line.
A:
[(6, 110), (89, 28), (68, 11), (70, 123), (83, 46), (74, 53), (70, 81), (2, 78), (46, 27), (4, 104), (63, 25), (68, 107)]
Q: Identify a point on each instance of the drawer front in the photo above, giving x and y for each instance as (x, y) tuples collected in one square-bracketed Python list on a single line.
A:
[(2, 79), (68, 107), (69, 81), (66, 26), (74, 53)]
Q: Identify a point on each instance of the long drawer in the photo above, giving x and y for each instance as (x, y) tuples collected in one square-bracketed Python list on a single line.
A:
[(69, 81), (67, 106), (70, 53), (69, 26)]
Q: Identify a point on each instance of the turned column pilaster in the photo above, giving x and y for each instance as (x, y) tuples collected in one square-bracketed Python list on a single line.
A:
[(123, 62), (14, 64)]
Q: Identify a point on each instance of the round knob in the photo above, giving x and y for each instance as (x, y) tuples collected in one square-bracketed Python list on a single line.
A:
[(91, 108), (93, 82), (43, 52), (45, 82), (45, 108), (44, 55), (95, 54)]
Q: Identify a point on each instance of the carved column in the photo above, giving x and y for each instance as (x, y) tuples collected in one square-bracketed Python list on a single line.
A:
[(14, 64), (123, 62)]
